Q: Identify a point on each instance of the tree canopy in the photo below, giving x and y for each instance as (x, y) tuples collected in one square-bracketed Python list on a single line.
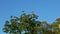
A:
[(27, 24)]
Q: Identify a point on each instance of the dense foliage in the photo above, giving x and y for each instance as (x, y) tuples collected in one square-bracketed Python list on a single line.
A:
[(27, 24)]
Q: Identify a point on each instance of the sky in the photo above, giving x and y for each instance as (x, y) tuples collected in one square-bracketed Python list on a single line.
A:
[(47, 10)]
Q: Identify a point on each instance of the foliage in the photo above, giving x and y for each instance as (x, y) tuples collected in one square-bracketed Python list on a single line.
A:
[(28, 24)]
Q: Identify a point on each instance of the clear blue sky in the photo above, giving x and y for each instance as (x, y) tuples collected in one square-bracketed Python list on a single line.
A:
[(47, 10)]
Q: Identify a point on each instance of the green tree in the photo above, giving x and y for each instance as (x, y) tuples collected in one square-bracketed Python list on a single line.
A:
[(56, 26), (26, 22)]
